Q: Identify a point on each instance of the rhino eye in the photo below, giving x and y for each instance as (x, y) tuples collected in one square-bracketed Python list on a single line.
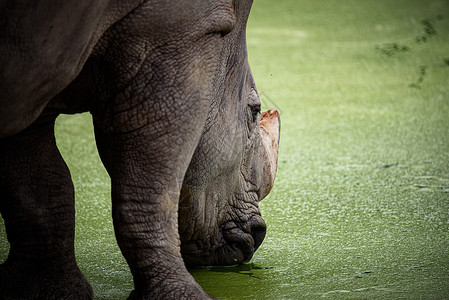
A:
[(255, 111)]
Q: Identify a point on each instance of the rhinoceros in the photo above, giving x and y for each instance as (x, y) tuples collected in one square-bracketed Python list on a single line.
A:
[(178, 126)]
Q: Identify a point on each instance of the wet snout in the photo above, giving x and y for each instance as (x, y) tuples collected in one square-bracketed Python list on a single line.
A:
[(270, 126)]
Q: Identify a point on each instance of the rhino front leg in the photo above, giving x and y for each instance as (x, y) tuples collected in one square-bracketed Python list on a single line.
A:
[(37, 205), (147, 166)]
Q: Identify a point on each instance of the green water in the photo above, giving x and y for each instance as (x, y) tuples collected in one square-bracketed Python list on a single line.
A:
[(360, 209)]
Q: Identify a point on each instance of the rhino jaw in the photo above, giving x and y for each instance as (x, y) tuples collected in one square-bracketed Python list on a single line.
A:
[(270, 126)]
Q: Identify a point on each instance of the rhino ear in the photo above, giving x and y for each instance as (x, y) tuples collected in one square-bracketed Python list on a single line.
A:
[(269, 134), (267, 118)]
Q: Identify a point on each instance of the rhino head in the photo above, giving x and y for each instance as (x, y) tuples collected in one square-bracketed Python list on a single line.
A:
[(233, 167)]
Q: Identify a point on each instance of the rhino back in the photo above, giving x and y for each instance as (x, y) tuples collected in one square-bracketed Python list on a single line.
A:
[(43, 47)]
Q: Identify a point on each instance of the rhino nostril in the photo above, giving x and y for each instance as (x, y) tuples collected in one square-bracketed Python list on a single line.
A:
[(258, 236), (258, 231)]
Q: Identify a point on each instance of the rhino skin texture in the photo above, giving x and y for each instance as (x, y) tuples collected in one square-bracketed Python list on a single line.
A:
[(177, 124)]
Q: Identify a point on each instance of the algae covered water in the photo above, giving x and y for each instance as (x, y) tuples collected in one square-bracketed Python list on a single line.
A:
[(360, 208)]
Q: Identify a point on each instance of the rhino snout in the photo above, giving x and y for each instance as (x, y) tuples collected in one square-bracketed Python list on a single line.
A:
[(258, 230), (246, 237)]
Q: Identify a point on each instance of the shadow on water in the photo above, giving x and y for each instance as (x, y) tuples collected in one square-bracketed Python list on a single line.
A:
[(249, 269)]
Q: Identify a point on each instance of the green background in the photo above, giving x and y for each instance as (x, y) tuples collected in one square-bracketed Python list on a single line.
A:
[(360, 209)]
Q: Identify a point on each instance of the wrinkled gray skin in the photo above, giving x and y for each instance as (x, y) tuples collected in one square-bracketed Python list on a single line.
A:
[(178, 128)]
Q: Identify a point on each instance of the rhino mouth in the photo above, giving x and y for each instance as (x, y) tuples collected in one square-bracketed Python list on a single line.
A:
[(237, 243), (243, 239)]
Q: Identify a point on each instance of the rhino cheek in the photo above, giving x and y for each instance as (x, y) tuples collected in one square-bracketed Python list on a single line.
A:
[(269, 135)]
